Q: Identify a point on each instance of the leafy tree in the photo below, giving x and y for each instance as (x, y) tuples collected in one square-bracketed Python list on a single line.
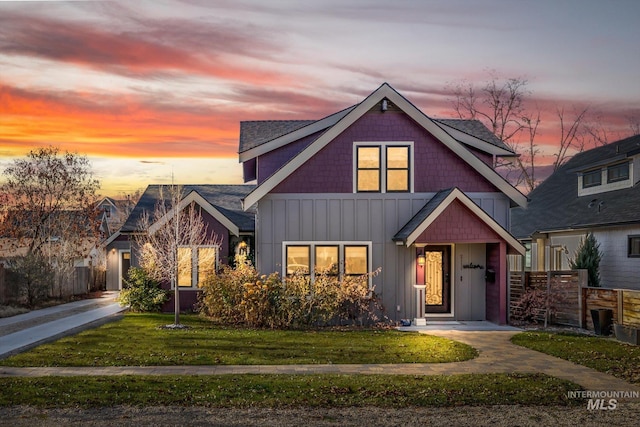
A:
[(47, 207), (588, 257)]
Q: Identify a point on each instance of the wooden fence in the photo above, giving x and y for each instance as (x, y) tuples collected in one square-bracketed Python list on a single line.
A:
[(563, 288), (573, 300)]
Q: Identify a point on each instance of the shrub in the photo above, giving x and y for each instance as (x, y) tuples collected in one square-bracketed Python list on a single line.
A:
[(588, 257), (222, 293), (32, 277), (142, 293), (241, 295)]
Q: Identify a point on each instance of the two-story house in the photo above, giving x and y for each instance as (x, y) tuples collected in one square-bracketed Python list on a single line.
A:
[(595, 191), (380, 184)]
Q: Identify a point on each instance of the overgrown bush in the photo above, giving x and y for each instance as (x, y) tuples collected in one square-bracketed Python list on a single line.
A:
[(142, 293), (588, 257), (31, 275), (241, 296)]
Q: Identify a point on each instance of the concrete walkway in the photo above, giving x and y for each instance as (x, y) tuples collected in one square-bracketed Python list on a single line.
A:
[(25, 331), (496, 355)]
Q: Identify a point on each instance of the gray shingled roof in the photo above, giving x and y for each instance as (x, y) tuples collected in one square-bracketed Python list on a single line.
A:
[(475, 128), (421, 216), (554, 205), (225, 198), (256, 133)]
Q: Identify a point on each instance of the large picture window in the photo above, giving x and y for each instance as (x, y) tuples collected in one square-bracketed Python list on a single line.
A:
[(384, 167), (195, 264), (334, 258)]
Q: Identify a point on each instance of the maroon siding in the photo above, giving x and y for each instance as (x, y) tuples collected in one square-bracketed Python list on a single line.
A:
[(188, 301), (457, 224), (215, 228), (331, 170), (274, 160), (487, 158), (492, 300)]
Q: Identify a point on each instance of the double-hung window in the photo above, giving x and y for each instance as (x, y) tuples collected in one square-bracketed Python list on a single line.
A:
[(333, 258), (383, 167), (195, 264)]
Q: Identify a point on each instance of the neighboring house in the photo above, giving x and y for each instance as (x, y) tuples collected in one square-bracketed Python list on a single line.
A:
[(113, 214), (380, 184), (597, 190), (221, 212)]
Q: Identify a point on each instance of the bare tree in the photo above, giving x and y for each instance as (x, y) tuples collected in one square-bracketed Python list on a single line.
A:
[(167, 232), (569, 135), (500, 105)]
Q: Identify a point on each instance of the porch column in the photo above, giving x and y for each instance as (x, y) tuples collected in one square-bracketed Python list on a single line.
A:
[(420, 301)]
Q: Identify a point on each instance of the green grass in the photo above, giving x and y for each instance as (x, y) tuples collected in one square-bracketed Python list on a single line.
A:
[(273, 391), (602, 354), (136, 340)]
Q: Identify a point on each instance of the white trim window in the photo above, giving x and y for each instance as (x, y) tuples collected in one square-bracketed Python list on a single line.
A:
[(334, 258), (195, 264), (383, 167)]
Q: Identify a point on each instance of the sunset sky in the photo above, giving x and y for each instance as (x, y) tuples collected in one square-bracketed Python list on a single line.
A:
[(151, 88)]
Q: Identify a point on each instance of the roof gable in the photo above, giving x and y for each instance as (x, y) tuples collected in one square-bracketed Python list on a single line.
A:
[(223, 202), (445, 200), (383, 92)]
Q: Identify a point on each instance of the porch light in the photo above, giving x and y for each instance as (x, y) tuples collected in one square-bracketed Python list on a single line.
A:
[(421, 259)]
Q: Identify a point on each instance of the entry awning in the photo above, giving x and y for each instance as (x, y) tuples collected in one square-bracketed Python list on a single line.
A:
[(451, 216)]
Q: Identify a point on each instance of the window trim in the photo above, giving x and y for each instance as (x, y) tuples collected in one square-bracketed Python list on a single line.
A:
[(195, 266), (629, 246), (383, 164), (611, 167), (597, 172), (341, 245)]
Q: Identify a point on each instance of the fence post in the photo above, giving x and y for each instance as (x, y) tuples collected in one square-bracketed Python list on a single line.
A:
[(620, 298)]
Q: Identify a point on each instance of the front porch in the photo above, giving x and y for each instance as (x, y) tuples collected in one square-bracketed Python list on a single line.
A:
[(452, 325)]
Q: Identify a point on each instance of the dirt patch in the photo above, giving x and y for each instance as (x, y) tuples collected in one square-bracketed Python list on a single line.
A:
[(625, 415)]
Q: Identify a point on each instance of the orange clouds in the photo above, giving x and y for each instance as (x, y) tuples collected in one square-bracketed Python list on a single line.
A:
[(117, 126)]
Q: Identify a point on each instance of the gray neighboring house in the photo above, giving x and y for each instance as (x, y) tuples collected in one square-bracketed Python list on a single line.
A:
[(597, 190)]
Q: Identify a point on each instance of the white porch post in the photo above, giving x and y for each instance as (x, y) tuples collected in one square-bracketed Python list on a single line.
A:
[(420, 301)]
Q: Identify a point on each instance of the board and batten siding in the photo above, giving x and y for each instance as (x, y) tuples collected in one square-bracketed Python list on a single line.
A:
[(356, 217), (617, 270)]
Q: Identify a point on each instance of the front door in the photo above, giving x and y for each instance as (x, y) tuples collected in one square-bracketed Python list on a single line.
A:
[(125, 264), (436, 279)]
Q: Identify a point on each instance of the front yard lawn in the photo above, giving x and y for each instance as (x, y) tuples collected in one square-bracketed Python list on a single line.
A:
[(602, 354), (276, 391), (136, 340)]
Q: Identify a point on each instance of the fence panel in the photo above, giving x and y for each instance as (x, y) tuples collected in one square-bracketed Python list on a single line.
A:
[(631, 308), (599, 298)]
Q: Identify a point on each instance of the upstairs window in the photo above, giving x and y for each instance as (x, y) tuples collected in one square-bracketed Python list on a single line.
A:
[(618, 172), (368, 169), (591, 179), (397, 169), (384, 168)]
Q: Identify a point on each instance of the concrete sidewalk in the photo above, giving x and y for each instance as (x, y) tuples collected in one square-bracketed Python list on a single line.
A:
[(25, 331), (496, 355)]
